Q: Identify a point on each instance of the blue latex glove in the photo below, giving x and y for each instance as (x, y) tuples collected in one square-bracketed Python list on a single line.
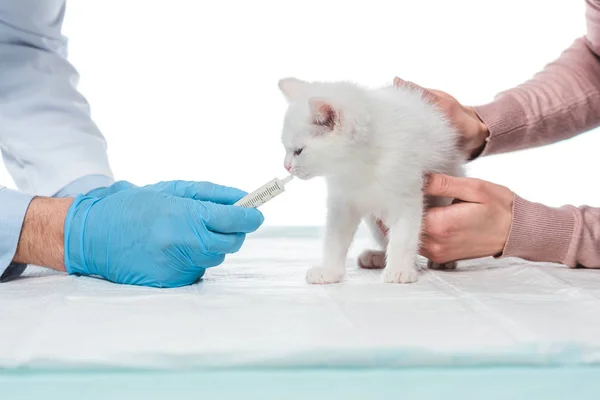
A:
[(167, 187), (112, 189), (162, 235)]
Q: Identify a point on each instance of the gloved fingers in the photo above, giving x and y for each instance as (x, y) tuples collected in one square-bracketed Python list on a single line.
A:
[(224, 243), (202, 271), (204, 261), (231, 219), (204, 191), (216, 193), (160, 280), (191, 274)]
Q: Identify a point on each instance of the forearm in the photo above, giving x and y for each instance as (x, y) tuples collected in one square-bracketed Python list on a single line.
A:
[(15, 207), (560, 102), (42, 236), (567, 235)]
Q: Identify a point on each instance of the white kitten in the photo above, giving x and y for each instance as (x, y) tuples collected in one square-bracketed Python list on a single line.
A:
[(373, 147)]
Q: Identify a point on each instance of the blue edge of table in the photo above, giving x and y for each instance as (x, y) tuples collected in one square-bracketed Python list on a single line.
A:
[(548, 383)]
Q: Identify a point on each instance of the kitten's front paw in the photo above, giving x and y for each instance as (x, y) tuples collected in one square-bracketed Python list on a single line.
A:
[(372, 259), (321, 275), (434, 265), (407, 275)]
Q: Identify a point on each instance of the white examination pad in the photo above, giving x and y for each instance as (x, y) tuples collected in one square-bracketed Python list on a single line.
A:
[(257, 310)]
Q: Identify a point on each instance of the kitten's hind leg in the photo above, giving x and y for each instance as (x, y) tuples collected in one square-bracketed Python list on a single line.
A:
[(378, 230), (442, 266), (374, 259)]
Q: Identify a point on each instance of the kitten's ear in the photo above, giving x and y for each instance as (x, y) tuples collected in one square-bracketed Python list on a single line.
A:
[(292, 88), (323, 113)]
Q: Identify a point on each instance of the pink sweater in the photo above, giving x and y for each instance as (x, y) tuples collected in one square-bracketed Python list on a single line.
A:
[(558, 103)]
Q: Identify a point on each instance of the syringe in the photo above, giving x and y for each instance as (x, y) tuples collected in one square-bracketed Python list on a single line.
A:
[(264, 193)]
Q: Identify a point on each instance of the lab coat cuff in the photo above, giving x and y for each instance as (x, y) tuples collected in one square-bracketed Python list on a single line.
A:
[(84, 185), (14, 206)]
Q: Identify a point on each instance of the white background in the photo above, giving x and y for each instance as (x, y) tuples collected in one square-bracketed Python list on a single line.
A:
[(187, 89)]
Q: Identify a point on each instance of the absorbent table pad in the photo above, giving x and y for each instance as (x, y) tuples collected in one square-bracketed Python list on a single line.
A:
[(257, 311)]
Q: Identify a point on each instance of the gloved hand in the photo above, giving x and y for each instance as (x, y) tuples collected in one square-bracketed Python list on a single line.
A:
[(166, 187), (112, 189), (162, 235)]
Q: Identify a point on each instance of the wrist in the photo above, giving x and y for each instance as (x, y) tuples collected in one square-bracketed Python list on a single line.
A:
[(41, 241), (74, 236), (506, 221), (479, 136)]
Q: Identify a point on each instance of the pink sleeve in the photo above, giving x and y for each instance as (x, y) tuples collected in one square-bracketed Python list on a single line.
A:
[(566, 235), (560, 102)]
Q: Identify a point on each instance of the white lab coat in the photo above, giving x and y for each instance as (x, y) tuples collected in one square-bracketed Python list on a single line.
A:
[(47, 137)]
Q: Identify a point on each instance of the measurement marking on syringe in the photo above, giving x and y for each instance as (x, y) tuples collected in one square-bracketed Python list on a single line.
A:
[(264, 194)]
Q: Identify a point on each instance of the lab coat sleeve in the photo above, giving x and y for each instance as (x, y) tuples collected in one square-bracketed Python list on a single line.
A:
[(14, 206), (84, 185), (47, 136)]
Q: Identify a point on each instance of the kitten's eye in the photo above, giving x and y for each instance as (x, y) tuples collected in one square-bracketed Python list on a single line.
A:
[(298, 151)]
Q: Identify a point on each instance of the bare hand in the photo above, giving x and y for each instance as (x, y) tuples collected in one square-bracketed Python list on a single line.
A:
[(472, 129), (476, 225)]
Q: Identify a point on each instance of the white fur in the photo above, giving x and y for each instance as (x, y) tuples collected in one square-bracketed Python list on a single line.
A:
[(373, 147)]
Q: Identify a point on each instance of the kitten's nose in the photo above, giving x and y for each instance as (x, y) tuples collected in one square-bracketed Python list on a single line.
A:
[(287, 166)]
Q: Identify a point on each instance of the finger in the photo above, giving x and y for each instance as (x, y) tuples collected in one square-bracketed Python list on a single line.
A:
[(193, 274), (224, 243), (466, 189), (204, 191), (424, 246), (427, 94), (435, 251), (231, 219), (201, 260), (399, 82)]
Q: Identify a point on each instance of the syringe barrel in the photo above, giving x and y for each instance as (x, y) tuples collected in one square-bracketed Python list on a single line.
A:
[(262, 194)]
